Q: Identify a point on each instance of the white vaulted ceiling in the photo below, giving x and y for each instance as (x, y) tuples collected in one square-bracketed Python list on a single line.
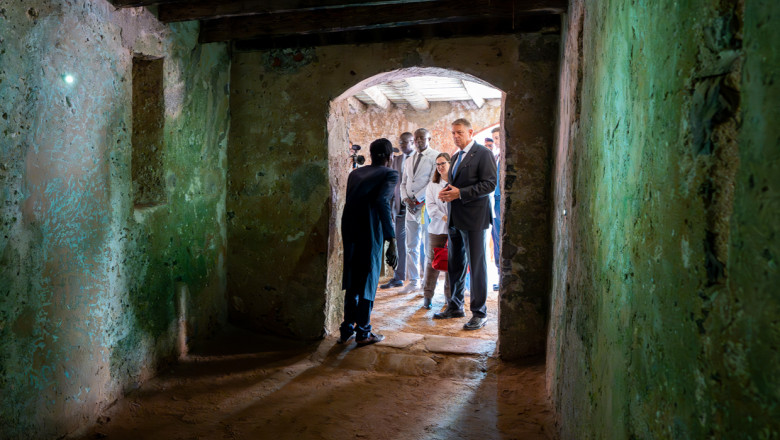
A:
[(417, 92)]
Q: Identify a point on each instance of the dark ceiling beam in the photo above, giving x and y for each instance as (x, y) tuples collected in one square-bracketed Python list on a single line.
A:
[(137, 3), (258, 6), (210, 9), (371, 17), (523, 24)]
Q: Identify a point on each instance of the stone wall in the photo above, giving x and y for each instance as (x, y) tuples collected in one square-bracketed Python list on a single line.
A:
[(284, 197), (369, 123), (664, 314), (91, 290)]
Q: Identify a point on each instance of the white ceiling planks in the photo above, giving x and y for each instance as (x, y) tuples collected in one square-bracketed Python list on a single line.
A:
[(417, 92)]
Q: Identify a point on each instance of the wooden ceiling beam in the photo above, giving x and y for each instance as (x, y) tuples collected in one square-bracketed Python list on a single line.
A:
[(474, 93), (211, 9), (379, 98), (410, 94), (528, 24), (139, 3), (371, 17), (264, 6)]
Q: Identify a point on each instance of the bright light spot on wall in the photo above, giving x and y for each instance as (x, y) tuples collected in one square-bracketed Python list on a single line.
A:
[(69, 79)]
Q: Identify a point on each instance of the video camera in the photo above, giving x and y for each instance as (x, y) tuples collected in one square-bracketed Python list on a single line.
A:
[(357, 159)]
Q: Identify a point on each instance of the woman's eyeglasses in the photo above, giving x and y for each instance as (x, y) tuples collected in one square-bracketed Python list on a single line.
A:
[(441, 164)]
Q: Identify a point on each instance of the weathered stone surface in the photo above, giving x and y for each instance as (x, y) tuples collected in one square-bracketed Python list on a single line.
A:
[(449, 344), (363, 358), (665, 305), (406, 364), (461, 368), (400, 340), (373, 123), (88, 305)]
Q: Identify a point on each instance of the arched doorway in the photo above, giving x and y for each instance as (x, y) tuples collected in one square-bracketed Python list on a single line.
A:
[(280, 192), (437, 119)]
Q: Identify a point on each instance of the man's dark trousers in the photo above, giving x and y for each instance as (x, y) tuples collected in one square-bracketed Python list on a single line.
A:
[(459, 261), (469, 219), (357, 314)]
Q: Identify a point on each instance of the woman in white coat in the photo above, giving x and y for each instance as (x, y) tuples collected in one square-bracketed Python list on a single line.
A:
[(437, 229)]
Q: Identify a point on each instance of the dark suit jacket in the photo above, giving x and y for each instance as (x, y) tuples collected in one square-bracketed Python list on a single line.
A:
[(476, 179), (365, 224)]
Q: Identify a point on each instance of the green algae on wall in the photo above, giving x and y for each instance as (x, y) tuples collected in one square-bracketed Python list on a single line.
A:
[(664, 309), (87, 284)]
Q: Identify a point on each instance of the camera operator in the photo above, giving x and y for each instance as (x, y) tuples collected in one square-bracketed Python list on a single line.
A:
[(357, 159)]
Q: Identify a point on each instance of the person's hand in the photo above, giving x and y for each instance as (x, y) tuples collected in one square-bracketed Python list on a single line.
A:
[(444, 218), (409, 202), (391, 256), (449, 194)]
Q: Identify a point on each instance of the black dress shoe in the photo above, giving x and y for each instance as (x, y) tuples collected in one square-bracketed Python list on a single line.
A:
[(391, 284), (475, 323), (449, 313)]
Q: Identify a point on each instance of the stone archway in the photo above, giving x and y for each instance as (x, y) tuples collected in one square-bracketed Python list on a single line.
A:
[(338, 139), (280, 187)]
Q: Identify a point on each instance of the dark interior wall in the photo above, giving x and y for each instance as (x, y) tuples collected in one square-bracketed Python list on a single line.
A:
[(279, 196), (664, 315), (88, 285)]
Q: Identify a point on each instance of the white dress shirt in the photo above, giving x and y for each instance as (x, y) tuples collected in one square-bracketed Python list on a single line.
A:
[(437, 209)]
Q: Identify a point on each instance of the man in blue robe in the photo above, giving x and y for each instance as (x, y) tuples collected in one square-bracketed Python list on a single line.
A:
[(366, 224)]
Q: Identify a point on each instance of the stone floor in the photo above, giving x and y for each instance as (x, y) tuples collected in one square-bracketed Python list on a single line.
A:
[(411, 386), (429, 379)]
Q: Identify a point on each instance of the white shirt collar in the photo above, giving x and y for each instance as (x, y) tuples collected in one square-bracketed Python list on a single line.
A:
[(468, 147)]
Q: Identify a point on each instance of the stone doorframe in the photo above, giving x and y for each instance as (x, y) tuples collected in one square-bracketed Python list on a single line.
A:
[(525, 233)]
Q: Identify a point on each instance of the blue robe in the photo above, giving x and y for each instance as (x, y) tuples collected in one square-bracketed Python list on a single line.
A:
[(365, 224)]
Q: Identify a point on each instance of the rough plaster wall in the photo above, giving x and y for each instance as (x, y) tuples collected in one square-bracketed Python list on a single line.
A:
[(664, 315), (372, 122), (279, 198), (87, 285)]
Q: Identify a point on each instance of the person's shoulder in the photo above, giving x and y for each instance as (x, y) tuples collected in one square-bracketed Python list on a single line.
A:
[(481, 149)]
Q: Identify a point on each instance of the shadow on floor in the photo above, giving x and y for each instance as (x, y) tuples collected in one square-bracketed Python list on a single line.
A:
[(244, 386)]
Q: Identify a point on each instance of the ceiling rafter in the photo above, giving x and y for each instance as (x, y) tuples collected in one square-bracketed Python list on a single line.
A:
[(410, 94), (474, 93), (260, 6), (379, 98), (534, 23), (264, 24), (210, 9), (371, 17)]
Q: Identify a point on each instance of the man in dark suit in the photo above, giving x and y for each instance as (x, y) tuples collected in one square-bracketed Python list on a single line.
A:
[(406, 141), (365, 225), (472, 180)]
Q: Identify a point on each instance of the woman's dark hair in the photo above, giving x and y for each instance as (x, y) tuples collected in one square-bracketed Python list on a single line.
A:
[(381, 150), (436, 176)]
